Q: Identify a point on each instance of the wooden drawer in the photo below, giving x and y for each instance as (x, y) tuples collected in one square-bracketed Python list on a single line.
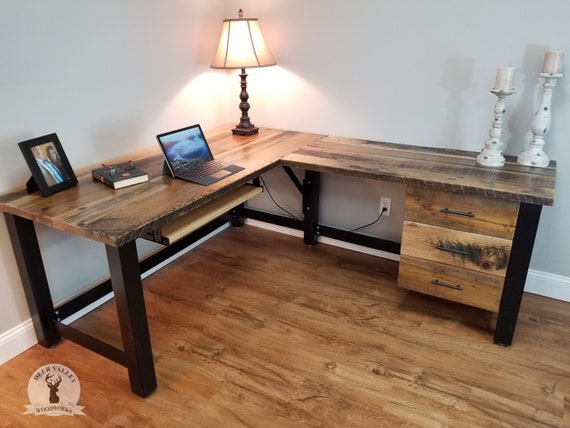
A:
[(462, 212), (451, 283), (465, 250)]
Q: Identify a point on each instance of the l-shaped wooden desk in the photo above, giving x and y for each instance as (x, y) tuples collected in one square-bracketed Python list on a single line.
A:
[(463, 222)]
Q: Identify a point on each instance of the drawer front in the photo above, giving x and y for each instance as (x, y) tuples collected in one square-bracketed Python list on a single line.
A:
[(465, 250), (451, 283), (469, 213)]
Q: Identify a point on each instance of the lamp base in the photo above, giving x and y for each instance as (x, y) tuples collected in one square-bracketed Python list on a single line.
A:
[(244, 127), (245, 130)]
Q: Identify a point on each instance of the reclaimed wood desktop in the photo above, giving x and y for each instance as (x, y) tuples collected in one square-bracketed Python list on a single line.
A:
[(118, 218)]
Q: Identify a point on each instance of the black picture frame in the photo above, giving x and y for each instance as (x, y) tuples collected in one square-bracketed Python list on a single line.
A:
[(51, 171)]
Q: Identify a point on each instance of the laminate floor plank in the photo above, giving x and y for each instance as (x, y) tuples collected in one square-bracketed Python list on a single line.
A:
[(255, 329)]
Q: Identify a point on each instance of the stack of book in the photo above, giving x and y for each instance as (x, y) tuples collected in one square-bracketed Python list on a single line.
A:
[(117, 177)]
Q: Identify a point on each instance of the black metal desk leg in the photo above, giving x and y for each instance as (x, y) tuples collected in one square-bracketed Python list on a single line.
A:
[(127, 285), (517, 270), (32, 272), (311, 188), (237, 215)]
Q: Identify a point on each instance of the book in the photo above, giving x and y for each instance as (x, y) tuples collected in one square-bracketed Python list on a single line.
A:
[(120, 179)]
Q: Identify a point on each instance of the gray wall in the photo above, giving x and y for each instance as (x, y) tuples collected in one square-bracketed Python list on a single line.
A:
[(108, 75)]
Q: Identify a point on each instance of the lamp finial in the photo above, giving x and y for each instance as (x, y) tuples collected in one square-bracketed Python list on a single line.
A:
[(240, 13)]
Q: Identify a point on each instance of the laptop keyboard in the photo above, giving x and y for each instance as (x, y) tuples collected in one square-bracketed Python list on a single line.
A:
[(206, 168)]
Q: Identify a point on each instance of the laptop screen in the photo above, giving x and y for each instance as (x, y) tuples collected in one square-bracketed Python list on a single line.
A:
[(185, 148)]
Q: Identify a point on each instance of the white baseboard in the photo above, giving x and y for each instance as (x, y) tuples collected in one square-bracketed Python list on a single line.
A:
[(17, 340), (325, 240), (548, 285), (22, 337)]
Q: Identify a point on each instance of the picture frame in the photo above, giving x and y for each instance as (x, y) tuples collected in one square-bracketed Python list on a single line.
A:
[(48, 163)]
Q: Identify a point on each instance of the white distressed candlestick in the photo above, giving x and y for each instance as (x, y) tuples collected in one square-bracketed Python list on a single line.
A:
[(535, 155), (492, 153), (551, 71)]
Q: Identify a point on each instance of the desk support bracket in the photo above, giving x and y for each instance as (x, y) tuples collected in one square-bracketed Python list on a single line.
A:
[(294, 179)]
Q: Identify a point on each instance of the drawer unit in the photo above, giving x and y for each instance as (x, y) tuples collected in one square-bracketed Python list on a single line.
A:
[(451, 283), (469, 213), (462, 249), (456, 246)]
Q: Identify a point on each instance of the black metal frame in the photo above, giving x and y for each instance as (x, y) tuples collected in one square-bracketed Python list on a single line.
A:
[(102, 289), (310, 192), (125, 282), (34, 280), (125, 273), (517, 270)]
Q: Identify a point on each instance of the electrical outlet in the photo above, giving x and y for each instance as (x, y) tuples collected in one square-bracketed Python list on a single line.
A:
[(386, 203)]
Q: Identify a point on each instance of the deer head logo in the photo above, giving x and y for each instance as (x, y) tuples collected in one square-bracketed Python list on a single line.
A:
[(64, 391), (53, 388)]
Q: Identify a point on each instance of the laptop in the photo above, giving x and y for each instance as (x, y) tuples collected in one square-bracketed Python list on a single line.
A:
[(189, 157)]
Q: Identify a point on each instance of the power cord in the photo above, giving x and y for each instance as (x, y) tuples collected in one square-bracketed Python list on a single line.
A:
[(384, 209), (275, 202)]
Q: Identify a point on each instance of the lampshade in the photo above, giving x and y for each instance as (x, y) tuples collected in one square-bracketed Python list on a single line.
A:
[(242, 45)]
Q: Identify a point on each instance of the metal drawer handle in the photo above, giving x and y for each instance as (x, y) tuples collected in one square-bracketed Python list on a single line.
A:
[(463, 213), (452, 250), (444, 284)]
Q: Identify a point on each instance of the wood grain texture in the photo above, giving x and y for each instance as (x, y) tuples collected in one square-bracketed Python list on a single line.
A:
[(254, 329), (188, 223), (441, 169), (456, 246), (450, 282), (493, 217), (466, 250), (119, 216)]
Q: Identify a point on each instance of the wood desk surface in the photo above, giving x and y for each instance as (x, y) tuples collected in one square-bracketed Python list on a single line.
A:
[(115, 217), (96, 211), (445, 169)]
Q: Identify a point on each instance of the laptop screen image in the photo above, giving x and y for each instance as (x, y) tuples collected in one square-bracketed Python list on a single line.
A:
[(185, 148), (189, 157)]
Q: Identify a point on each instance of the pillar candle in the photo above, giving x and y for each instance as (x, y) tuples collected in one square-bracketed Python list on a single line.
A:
[(553, 62), (505, 78)]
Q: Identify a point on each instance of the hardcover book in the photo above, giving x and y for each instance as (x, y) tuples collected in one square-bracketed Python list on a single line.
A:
[(118, 180)]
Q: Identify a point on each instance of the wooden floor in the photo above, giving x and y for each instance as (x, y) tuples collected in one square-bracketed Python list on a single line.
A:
[(254, 329)]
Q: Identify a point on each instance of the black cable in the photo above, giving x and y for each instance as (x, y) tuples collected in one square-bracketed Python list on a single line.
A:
[(372, 223), (275, 202), (297, 218)]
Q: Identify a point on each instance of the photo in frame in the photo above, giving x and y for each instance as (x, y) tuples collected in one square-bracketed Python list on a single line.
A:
[(51, 171)]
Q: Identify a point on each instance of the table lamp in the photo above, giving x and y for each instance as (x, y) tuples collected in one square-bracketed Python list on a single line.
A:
[(242, 46)]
